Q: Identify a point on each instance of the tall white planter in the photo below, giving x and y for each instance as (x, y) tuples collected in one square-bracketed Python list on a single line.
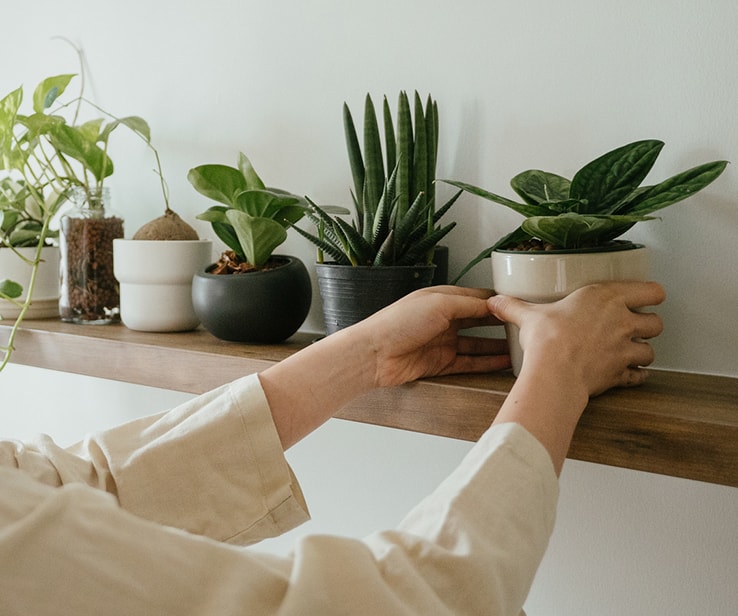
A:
[(543, 277), (155, 278), (45, 298)]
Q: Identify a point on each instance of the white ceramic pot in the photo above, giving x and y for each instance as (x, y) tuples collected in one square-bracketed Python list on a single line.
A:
[(45, 302), (543, 277), (155, 280)]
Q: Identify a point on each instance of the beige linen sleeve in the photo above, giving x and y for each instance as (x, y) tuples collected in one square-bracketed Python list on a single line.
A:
[(471, 547), (212, 466)]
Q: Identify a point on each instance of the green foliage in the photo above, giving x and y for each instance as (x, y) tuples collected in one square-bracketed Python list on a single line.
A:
[(396, 222), (44, 155), (601, 202), (253, 219)]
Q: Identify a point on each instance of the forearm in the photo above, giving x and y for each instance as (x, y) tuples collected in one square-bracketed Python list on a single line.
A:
[(548, 407), (308, 388)]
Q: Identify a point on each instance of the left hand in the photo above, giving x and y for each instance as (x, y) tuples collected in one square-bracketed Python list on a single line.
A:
[(418, 336)]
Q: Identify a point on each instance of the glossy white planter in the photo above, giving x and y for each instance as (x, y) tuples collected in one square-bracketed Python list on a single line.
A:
[(155, 280), (543, 277), (45, 302)]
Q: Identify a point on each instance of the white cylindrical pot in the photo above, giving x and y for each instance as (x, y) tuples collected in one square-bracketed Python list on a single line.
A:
[(45, 296), (155, 278), (543, 277)]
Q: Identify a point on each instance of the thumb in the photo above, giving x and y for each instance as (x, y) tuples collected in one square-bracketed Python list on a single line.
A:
[(506, 308)]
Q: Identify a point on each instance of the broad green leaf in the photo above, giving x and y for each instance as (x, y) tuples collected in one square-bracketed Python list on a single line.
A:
[(576, 231), (10, 289), (9, 106), (90, 130), (535, 186), (253, 181), (607, 180), (218, 182), (40, 124), (263, 203), (521, 208), (258, 236), (71, 142), (216, 213), (49, 90), (674, 189)]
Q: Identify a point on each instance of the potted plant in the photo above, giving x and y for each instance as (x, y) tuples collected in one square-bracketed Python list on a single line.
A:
[(250, 294), (28, 254), (388, 249), (569, 237)]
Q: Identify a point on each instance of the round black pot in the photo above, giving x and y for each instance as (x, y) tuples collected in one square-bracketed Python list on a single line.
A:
[(351, 294), (266, 306)]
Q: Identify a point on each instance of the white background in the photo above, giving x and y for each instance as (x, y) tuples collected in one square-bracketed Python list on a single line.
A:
[(519, 85)]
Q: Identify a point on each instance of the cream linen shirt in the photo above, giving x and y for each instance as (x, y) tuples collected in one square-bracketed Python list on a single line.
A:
[(149, 517)]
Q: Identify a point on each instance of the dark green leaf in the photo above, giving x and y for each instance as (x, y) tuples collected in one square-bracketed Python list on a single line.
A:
[(356, 160), (535, 186), (373, 160), (405, 154), (513, 238), (577, 231), (10, 289), (607, 180), (672, 190), (520, 208)]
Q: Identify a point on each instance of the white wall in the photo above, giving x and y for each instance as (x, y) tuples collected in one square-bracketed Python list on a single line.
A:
[(519, 85)]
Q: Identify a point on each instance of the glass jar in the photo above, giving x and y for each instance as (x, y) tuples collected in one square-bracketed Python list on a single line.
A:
[(89, 291)]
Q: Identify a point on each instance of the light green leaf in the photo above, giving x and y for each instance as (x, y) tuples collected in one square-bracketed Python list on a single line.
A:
[(135, 123), (253, 181), (218, 182), (259, 237), (72, 142), (49, 90)]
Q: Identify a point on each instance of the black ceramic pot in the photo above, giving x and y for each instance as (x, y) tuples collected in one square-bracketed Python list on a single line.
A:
[(263, 306), (351, 294)]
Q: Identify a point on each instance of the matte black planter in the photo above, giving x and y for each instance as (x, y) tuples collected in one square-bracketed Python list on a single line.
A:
[(263, 306), (351, 294)]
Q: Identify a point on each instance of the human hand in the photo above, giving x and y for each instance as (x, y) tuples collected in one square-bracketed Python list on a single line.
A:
[(418, 336), (593, 339)]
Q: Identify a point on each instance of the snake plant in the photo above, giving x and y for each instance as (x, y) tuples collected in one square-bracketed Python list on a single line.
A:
[(601, 202), (396, 221)]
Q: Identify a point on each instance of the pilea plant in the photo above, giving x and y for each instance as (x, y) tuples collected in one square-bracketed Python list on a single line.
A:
[(253, 219), (601, 202), (396, 221)]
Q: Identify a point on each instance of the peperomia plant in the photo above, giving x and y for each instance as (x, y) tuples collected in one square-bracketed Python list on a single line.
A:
[(601, 202), (253, 220), (396, 219)]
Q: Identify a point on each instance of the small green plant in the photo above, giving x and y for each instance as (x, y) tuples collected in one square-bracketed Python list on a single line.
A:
[(601, 202), (44, 156), (396, 221), (253, 220)]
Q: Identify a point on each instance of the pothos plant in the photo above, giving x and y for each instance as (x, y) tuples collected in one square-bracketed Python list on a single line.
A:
[(253, 219), (601, 202), (44, 155), (396, 221)]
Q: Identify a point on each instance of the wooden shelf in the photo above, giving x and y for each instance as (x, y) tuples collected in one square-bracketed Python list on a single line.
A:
[(679, 424)]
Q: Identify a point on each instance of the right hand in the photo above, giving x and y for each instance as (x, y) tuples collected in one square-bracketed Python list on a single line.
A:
[(594, 338)]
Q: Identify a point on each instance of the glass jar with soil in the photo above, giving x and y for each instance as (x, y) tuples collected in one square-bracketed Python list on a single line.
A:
[(89, 291)]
